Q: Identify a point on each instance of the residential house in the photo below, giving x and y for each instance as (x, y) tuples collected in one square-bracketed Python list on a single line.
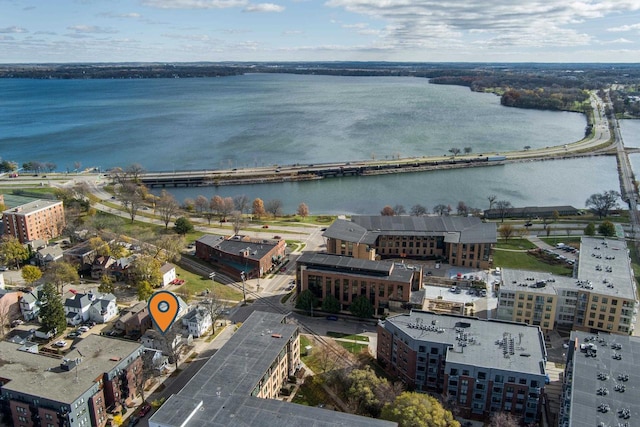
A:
[(103, 308), (156, 360), (9, 308), (135, 320), (47, 255), (168, 344), (121, 268), (168, 272), (197, 321), (76, 307), (30, 304), (101, 266), (82, 255)]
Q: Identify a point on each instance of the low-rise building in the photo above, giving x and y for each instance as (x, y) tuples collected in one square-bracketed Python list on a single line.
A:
[(197, 321), (601, 296), (239, 384), (76, 307), (135, 320), (98, 373), (479, 366), (238, 254), (30, 304), (103, 308), (168, 273), (600, 382), (387, 285), (461, 241)]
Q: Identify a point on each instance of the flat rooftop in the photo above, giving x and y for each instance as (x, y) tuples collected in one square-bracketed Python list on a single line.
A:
[(524, 280), (586, 382), (356, 267), (40, 375), (31, 207), (478, 342), (219, 394)]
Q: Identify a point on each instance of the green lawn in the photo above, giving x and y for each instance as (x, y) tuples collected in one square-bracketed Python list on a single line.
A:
[(524, 261), (362, 338), (515, 244), (353, 347), (311, 392), (195, 284)]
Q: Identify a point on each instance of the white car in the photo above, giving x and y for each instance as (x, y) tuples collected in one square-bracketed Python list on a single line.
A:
[(83, 329), (60, 343)]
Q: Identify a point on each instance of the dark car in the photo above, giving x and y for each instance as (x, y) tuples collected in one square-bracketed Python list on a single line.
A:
[(133, 421), (332, 317), (144, 410)]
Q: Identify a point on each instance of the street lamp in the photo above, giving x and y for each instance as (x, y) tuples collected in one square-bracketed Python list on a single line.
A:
[(212, 276), (244, 295)]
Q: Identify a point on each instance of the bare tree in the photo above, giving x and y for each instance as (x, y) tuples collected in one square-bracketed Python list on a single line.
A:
[(133, 172), (399, 210), (503, 419), (238, 222), (462, 208), (5, 315), (440, 209), (506, 231), (132, 198), (167, 207), (418, 210), (503, 207), (468, 150), (214, 307), (226, 208), (274, 207), (216, 205), (202, 204), (167, 248), (492, 199), (242, 203), (455, 151), (303, 210), (147, 372)]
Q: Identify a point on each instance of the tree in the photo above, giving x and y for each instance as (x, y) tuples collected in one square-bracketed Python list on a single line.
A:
[(387, 211), (503, 419), (144, 290), (607, 229), (462, 208), (306, 301), (602, 203), (258, 208), (106, 284), (527, 147), (506, 231), (362, 384), (213, 306), (146, 268), (503, 207), (361, 307), (440, 209), (60, 273), (147, 372), (201, 204), (12, 251), (238, 222), (412, 409), (330, 304), (216, 204), (303, 210), (183, 226), (99, 247), (274, 207), (590, 229), (133, 172), (468, 150), (167, 207), (52, 310), (455, 151), (132, 197), (31, 274), (399, 210), (492, 199), (241, 203), (418, 210)]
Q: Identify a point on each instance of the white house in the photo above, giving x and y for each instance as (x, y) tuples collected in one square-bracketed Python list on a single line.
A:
[(197, 321), (153, 340), (76, 307), (103, 308), (168, 272), (30, 304)]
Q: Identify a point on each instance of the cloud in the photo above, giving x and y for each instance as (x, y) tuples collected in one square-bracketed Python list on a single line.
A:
[(292, 33), (264, 7), (624, 28), (189, 37), (621, 40), (91, 29), (194, 4), (548, 23), (131, 15), (13, 30), (6, 38)]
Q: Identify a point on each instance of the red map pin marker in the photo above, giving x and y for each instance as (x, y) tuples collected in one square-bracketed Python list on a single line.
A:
[(163, 308)]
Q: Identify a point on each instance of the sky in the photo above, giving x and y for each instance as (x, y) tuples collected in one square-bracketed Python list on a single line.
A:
[(38, 31)]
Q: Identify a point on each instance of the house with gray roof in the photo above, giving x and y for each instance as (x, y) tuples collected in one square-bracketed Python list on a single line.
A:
[(461, 241), (76, 307), (103, 308), (30, 304)]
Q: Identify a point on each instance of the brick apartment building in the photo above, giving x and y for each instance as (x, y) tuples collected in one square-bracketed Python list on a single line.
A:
[(96, 375), (461, 241), (479, 366), (40, 219)]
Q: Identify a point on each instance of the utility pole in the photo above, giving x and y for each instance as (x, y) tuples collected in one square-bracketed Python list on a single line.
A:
[(244, 295)]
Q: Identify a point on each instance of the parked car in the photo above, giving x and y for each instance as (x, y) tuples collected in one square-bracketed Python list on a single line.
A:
[(60, 343), (332, 318), (16, 323), (144, 410), (73, 334), (3, 268), (83, 329)]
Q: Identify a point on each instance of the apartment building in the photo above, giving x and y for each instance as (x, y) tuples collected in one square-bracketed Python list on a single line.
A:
[(601, 296), (239, 384), (600, 386), (97, 374), (40, 219), (479, 366), (387, 285), (461, 241)]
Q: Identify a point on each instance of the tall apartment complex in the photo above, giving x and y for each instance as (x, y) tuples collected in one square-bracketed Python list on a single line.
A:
[(461, 241), (41, 219), (479, 366), (98, 373), (601, 381), (601, 296)]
